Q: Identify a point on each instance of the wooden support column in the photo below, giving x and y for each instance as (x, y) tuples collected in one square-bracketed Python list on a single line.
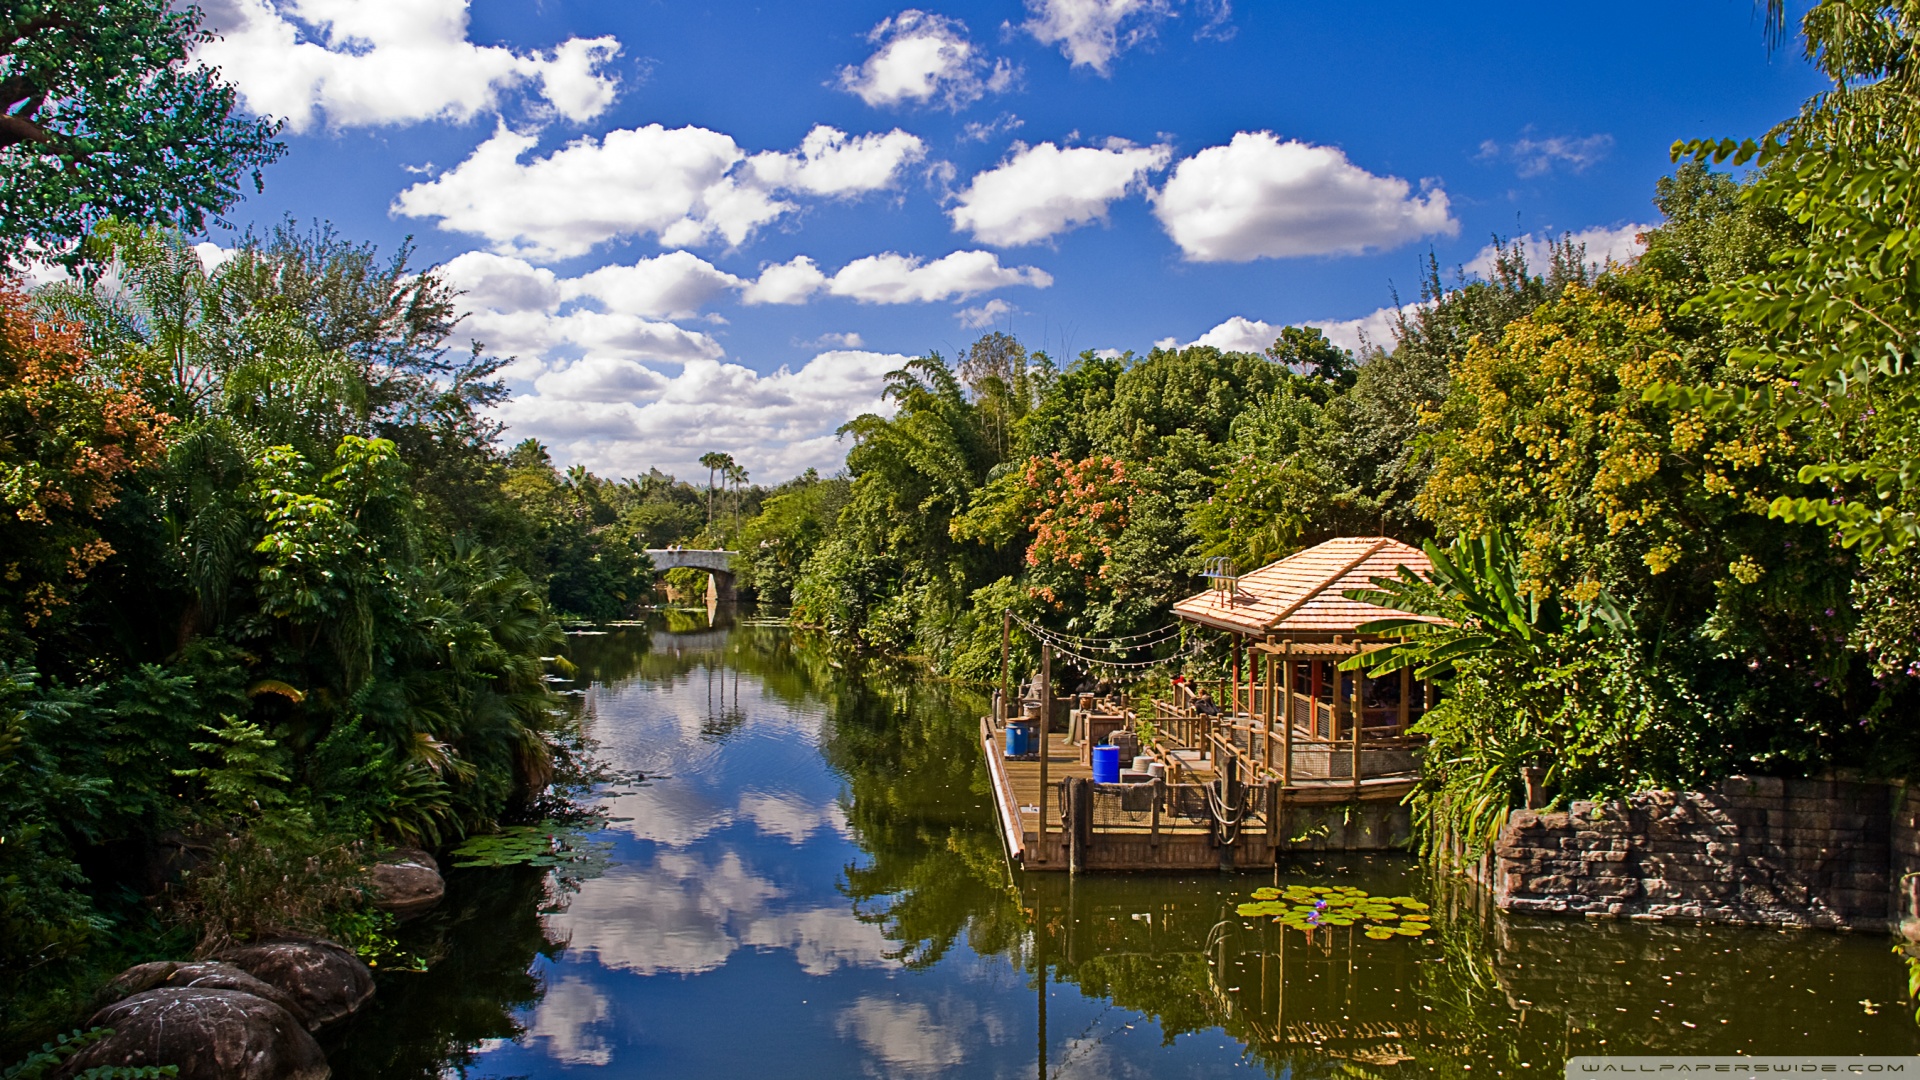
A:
[(1286, 732), (1079, 801), (1357, 718), (1406, 698), (1313, 692), (1046, 736), (1267, 713)]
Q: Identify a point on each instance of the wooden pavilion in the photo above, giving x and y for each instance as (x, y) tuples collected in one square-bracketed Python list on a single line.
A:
[(1292, 755), (1292, 625)]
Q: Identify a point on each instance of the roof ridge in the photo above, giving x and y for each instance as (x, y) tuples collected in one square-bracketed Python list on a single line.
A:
[(1374, 544)]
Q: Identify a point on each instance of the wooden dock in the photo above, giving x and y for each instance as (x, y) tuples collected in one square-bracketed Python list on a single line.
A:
[(1198, 819)]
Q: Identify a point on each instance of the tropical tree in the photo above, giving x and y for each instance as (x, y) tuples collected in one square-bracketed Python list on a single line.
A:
[(1545, 701), (104, 114)]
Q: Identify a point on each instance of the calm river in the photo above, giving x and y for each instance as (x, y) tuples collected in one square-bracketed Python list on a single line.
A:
[(813, 887)]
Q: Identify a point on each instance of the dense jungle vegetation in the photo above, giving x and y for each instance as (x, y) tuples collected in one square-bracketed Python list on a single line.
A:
[(1674, 503), (275, 593)]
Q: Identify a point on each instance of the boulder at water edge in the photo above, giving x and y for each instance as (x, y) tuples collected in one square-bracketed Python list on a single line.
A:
[(208, 1034), (325, 981), (204, 974), (408, 882)]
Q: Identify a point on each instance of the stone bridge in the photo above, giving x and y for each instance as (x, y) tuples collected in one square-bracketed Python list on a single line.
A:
[(717, 564)]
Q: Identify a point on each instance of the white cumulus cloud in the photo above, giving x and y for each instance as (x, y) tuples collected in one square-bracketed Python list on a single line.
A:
[(1090, 33), (783, 422), (983, 316), (1242, 334), (921, 57), (617, 312), (1378, 329), (1258, 197), (363, 63), (684, 185), (1044, 190), (1601, 245), (891, 278)]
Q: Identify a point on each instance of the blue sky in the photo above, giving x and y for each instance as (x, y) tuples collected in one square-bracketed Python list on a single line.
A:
[(712, 225)]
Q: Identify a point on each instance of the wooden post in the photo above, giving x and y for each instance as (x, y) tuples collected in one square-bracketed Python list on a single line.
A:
[(1286, 732), (1154, 835), (1406, 698), (1079, 799), (1267, 714), (1357, 718), (1313, 692), (1233, 705), (1046, 746), (1006, 660)]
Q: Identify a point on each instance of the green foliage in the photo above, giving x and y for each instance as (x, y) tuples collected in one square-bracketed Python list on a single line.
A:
[(105, 115), (246, 779), (1539, 695)]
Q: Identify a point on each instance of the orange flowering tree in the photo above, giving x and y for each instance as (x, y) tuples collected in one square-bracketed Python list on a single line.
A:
[(1078, 511), (69, 435)]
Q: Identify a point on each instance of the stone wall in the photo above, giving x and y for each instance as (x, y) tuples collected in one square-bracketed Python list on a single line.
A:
[(1762, 851)]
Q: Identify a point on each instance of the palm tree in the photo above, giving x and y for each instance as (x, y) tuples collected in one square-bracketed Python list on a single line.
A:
[(736, 476), (715, 461)]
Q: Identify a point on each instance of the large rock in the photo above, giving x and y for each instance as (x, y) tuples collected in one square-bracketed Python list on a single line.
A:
[(208, 1034), (325, 981), (203, 974), (408, 882)]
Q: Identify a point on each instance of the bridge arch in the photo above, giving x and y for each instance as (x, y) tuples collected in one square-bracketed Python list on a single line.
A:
[(718, 565)]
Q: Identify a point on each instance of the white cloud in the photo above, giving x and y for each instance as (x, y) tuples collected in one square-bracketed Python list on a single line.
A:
[(1041, 191), (1091, 33), (392, 62), (684, 185), (1258, 197), (920, 57), (1533, 157), (790, 282), (831, 340), (602, 378), (890, 278), (781, 423), (830, 162), (1241, 334), (982, 130), (670, 286), (1376, 329), (983, 316), (1619, 245)]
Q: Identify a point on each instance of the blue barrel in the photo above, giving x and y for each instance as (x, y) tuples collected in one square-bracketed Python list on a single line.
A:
[(1106, 764), (1019, 740)]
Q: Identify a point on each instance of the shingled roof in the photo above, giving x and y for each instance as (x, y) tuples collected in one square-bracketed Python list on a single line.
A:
[(1301, 596)]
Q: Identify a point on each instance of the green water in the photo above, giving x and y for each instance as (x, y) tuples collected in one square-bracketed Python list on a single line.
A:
[(813, 887)]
